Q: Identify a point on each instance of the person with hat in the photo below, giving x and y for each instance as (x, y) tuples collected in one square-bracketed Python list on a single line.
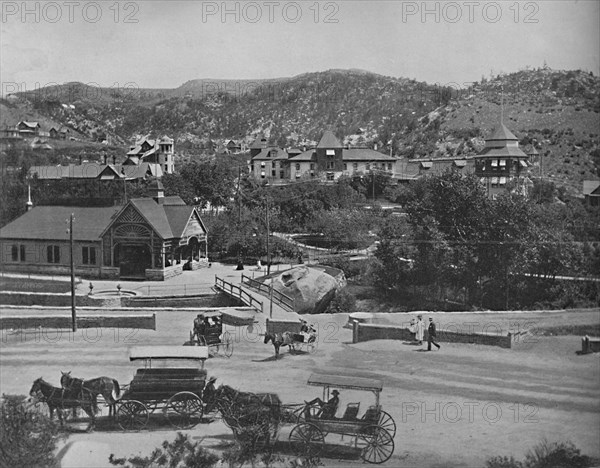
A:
[(431, 335), (329, 408), (419, 329), (199, 327), (209, 392)]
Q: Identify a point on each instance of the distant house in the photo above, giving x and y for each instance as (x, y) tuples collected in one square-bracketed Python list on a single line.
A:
[(591, 192), (412, 169), (160, 152), (329, 160), (26, 128), (59, 134), (258, 145), (501, 164), (94, 171), (150, 238), (233, 146)]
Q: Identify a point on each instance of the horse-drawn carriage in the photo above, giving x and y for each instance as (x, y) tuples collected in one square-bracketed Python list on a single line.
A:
[(208, 332), (177, 391), (373, 432), (297, 335)]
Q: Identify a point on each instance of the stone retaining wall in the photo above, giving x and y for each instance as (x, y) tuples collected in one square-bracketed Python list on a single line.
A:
[(367, 331)]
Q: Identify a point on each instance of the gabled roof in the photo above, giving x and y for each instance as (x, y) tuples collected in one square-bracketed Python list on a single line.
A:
[(48, 223), (29, 124), (265, 154), (591, 187), (260, 142), (329, 140), (365, 154), (155, 215), (309, 155), (502, 133)]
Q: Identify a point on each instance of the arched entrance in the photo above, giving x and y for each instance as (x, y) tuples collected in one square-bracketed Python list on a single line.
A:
[(132, 259)]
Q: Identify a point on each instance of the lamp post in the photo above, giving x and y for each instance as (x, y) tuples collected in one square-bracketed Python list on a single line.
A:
[(73, 307)]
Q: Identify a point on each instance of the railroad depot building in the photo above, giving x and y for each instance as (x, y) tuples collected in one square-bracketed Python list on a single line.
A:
[(150, 238)]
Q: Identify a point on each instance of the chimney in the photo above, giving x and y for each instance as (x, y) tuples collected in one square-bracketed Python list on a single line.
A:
[(29, 203), (114, 159), (80, 159), (105, 156), (157, 191)]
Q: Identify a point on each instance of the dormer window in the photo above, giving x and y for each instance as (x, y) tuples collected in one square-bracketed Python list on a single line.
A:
[(330, 152)]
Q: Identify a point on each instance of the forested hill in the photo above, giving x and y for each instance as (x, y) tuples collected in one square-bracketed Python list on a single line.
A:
[(556, 111)]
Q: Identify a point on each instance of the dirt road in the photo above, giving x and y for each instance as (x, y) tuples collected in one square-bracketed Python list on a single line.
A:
[(453, 407)]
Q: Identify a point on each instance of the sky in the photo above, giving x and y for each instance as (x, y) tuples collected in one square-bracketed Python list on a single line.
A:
[(162, 44)]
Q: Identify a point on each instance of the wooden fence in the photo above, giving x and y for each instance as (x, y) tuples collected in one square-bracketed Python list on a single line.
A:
[(280, 298), (238, 292)]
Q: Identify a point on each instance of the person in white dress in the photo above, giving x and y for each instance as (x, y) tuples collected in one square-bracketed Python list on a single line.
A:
[(419, 329)]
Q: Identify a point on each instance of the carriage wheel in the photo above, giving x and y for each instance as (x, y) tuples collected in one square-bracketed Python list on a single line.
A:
[(307, 440), (311, 347), (132, 415), (375, 443), (227, 343), (387, 422), (184, 410)]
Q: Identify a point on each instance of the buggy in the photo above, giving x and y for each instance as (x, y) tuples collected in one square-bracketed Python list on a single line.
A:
[(177, 391), (208, 332)]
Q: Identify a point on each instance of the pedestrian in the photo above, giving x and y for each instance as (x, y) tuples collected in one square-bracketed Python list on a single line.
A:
[(420, 329), (431, 335)]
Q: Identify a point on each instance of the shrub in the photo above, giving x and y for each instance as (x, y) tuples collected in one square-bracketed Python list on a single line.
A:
[(546, 455), (27, 437), (344, 302)]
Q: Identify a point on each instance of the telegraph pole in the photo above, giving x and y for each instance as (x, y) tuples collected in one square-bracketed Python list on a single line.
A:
[(73, 307), (268, 245), (240, 264)]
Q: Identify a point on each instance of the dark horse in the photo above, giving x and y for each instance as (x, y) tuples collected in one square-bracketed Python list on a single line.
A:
[(248, 412), (106, 386), (58, 399), (279, 340)]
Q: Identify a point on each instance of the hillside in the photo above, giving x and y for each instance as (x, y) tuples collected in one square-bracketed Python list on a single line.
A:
[(558, 111)]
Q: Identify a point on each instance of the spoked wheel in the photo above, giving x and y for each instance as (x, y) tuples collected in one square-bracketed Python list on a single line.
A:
[(132, 415), (184, 410), (375, 443), (227, 344), (387, 422), (307, 440), (311, 346)]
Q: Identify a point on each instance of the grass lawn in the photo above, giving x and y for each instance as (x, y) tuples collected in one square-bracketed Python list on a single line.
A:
[(34, 285)]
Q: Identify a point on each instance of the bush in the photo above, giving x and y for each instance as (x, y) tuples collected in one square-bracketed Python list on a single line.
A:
[(546, 455), (27, 437), (179, 453), (344, 302)]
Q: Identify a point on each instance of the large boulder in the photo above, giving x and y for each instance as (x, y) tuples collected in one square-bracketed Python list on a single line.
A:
[(311, 287)]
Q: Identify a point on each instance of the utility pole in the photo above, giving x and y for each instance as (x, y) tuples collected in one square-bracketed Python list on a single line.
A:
[(240, 264), (73, 309), (268, 245)]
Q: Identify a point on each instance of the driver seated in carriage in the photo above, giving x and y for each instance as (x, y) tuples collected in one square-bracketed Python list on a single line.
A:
[(307, 333), (199, 326), (328, 408)]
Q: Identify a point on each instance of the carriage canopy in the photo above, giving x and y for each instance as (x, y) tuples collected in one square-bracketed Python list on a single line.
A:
[(345, 381), (196, 353)]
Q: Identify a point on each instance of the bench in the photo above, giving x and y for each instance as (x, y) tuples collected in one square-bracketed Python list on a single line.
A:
[(351, 412)]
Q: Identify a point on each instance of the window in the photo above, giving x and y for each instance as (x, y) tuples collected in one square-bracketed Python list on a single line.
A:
[(330, 152), (330, 176), (281, 174), (312, 166), (494, 163), (368, 167), (297, 166), (355, 166), (273, 173), (494, 181), (88, 255), (345, 166), (14, 252), (53, 254), (502, 181), (503, 163), (329, 165), (389, 166), (22, 252), (262, 164)]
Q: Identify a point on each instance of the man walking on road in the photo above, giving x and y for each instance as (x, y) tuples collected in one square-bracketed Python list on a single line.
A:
[(431, 335)]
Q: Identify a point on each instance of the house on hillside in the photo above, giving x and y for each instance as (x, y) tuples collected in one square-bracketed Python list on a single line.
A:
[(412, 169), (591, 192), (502, 165), (59, 134), (93, 171), (258, 145), (28, 129), (329, 161), (150, 238), (160, 152)]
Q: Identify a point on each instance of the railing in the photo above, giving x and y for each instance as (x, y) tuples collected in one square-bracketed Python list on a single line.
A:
[(237, 292), (191, 289), (280, 298)]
